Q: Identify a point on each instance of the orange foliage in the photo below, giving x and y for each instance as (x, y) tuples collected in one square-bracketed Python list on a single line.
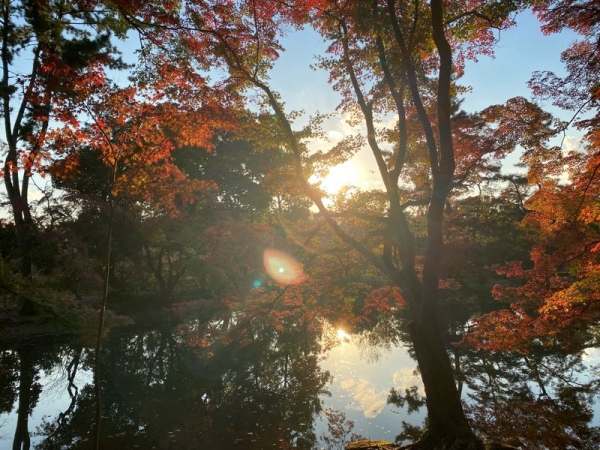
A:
[(558, 289), (135, 133), (383, 300)]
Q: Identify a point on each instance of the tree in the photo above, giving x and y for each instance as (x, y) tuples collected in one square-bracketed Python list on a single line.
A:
[(65, 59), (482, 231), (507, 390), (553, 295), (387, 57), (578, 91), (238, 169), (54, 54), (134, 132)]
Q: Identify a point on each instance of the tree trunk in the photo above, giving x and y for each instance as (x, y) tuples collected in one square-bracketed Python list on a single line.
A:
[(24, 235), (23, 221), (103, 301), (447, 426)]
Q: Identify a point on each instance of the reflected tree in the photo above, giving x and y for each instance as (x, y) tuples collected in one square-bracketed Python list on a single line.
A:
[(260, 388), (339, 430), (20, 387), (9, 376), (542, 400), (29, 391), (414, 401)]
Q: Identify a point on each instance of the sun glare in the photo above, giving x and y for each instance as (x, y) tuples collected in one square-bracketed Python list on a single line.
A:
[(343, 336), (339, 176)]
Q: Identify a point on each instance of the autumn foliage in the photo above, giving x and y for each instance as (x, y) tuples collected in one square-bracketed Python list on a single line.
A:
[(188, 185), (554, 294)]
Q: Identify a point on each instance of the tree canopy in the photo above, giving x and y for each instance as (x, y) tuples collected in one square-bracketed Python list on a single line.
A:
[(190, 186)]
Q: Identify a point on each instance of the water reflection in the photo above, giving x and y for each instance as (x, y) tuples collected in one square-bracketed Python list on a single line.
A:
[(543, 400), (300, 386), (29, 391), (365, 369)]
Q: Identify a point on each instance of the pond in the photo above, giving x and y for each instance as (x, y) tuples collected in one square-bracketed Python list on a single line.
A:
[(306, 387)]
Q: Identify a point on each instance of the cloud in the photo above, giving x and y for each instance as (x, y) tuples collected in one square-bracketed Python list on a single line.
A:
[(388, 121), (365, 397), (591, 355), (350, 126), (571, 143), (406, 378), (335, 135)]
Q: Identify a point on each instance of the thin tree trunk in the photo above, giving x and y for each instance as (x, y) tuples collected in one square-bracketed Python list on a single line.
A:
[(98, 356)]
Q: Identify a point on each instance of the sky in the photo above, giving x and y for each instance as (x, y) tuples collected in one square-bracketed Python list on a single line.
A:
[(519, 52)]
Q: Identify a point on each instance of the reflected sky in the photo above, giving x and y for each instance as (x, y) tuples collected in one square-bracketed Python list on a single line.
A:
[(362, 378), (53, 400)]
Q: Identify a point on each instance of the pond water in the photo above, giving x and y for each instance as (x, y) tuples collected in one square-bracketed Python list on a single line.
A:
[(305, 387)]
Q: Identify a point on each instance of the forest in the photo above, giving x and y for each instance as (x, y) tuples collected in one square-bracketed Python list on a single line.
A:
[(182, 249)]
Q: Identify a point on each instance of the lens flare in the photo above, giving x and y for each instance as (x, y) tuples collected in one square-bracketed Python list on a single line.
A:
[(282, 267)]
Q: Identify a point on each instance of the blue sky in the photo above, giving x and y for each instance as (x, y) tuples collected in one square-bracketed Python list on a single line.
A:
[(519, 52)]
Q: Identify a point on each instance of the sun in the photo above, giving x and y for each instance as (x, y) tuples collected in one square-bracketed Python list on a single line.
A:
[(345, 174)]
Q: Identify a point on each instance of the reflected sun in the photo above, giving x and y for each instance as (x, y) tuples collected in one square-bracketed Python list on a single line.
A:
[(343, 336)]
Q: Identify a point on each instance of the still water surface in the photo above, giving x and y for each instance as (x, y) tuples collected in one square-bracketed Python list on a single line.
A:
[(307, 388)]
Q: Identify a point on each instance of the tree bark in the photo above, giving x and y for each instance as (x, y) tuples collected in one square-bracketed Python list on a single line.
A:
[(448, 427), (447, 424)]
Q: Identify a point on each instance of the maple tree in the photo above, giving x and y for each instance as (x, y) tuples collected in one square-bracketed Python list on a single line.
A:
[(556, 291), (553, 295), (131, 138), (578, 90), (386, 57), (54, 55)]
